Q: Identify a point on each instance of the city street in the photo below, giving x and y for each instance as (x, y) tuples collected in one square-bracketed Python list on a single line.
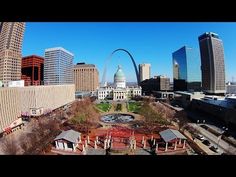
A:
[(223, 146)]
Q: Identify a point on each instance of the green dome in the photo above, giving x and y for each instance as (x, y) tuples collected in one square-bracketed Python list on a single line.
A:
[(119, 75)]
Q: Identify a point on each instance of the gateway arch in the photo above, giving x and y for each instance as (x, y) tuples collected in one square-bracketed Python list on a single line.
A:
[(109, 59)]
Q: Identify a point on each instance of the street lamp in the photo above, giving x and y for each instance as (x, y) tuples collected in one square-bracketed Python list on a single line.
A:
[(224, 130), (218, 141)]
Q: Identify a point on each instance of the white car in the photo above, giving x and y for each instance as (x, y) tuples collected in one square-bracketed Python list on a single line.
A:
[(200, 137)]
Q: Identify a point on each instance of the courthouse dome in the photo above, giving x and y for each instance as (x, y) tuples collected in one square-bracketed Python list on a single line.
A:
[(119, 78), (119, 75)]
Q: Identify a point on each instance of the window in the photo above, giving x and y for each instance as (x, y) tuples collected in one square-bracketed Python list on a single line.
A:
[(33, 111)]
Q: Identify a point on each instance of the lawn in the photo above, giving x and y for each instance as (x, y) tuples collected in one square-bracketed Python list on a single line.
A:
[(105, 107), (133, 106)]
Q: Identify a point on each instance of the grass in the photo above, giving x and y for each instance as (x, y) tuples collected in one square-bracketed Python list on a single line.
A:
[(105, 107), (133, 106)]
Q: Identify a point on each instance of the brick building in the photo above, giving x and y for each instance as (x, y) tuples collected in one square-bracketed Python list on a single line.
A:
[(32, 70)]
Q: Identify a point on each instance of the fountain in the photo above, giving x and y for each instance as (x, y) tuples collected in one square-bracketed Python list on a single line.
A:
[(117, 118)]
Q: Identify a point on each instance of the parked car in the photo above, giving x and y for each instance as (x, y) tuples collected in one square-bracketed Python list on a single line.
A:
[(206, 142), (200, 137), (214, 149)]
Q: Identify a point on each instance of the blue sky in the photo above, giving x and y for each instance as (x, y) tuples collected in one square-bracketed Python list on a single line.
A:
[(152, 43)]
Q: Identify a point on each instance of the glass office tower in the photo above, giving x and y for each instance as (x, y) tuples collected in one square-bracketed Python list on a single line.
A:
[(186, 70), (58, 66)]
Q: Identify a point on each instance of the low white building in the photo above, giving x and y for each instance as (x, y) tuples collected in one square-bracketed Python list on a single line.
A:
[(119, 91), (68, 140), (19, 83)]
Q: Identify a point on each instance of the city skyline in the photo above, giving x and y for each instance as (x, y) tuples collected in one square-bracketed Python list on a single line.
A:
[(151, 43), (60, 108)]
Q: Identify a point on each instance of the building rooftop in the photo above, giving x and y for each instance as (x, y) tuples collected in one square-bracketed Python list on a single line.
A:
[(189, 93), (171, 134), (208, 34), (83, 65), (226, 102), (69, 135), (58, 48), (32, 56)]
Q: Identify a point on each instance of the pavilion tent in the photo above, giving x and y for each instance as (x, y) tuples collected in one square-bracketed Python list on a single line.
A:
[(171, 134)]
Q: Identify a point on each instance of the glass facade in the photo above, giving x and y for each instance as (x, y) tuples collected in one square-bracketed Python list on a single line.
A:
[(58, 66), (186, 70)]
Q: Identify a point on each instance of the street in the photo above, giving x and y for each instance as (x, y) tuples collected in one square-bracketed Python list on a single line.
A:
[(223, 146)]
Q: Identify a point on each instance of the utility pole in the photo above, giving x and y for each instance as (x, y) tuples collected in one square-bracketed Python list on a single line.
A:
[(219, 140)]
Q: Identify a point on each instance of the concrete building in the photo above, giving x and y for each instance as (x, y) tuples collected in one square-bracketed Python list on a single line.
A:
[(220, 108), (58, 66), (68, 140), (157, 83), (230, 88), (144, 71), (212, 63), (10, 109), (86, 77), (184, 98), (31, 101), (163, 95), (45, 98), (32, 69), (119, 91), (186, 70), (11, 38)]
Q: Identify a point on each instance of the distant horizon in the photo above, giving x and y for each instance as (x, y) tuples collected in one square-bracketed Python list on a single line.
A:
[(148, 42)]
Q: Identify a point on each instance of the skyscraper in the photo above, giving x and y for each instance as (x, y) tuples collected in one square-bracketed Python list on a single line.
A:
[(32, 70), (58, 66), (144, 71), (212, 63), (186, 70), (11, 37), (86, 77)]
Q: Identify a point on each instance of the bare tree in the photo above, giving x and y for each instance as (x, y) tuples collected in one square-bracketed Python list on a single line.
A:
[(182, 119), (26, 143), (9, 146)]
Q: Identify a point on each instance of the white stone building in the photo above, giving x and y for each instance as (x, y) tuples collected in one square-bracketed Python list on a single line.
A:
[(119, 91), (68, 140)]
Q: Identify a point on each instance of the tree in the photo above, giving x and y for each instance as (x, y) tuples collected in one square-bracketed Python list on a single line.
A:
[(152, 118), (26, 142), (9, 146), (182, 119)]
